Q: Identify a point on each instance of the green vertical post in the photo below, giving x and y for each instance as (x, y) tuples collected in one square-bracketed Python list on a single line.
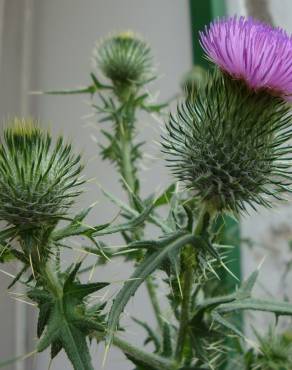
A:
[(202, 13)]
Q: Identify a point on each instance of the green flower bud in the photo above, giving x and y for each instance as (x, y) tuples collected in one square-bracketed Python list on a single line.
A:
[(125, 59), (194, 79), (38, 179), (228, 144)]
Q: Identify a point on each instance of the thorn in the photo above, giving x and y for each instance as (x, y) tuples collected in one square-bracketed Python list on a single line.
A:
[(261, 263), (38, 251), (8, 274), (106, 352), (32, 270), (4, 249), (23, 301), (92, 272), (125, 251), (50, 364), (18, 358), (228, 270)]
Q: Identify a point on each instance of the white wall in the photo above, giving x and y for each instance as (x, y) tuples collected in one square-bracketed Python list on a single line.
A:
[(65, 33)]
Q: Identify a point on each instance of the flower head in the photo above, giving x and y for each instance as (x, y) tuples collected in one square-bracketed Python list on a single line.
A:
[(38, 180), (125, 59), (253, 51), (228, 144)]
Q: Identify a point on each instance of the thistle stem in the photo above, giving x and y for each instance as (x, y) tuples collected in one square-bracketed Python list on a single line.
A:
[(187, 280), (50, 278), (128, 172), (151, 287), (127, 168)]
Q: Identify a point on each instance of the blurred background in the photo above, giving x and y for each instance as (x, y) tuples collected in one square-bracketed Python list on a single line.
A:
[(48, 45)]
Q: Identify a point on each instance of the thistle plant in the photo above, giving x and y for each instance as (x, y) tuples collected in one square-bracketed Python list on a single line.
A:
[(228, 148)]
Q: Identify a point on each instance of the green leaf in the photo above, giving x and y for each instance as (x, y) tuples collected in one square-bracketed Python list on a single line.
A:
[(151, 262), (64, 320), (247, 286), (11, 232), (76, 228), (132, 224), (278, 308), (91, 89), (243, 292), (74, 343), (44, 314), (18, 276), (165, 197), (222, 321), (82, 290), (154, 107), (139, 364), (152, 335), (166, 341), (56, 348)]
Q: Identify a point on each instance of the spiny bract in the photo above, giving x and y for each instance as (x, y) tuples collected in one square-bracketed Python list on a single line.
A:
[(229, 144), (38, 180), (125, 59)]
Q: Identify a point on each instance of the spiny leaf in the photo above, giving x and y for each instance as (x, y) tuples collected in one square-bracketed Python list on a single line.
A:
[(222, 321), (278, 308), (166, 341), (133, 223), (246, 287), (152, 335), (148, 265), (91, 89), (165, 197), (74, 343)]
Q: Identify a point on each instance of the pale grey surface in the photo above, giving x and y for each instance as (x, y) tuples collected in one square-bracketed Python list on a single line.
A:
[(11, 61)]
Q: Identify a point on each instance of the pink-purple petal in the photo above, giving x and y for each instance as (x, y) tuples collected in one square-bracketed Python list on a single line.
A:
[(253, 51)]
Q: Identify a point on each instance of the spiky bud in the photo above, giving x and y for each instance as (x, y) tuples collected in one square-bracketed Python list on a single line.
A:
[(228, 144), (38, 179), (194, 78), (125, 59)]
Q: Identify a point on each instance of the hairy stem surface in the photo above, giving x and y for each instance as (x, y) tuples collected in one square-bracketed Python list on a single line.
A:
[(187, 278)]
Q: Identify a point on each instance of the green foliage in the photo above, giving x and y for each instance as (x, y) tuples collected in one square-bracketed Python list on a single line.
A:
[(151, 262), (275, 352), (64, 319), (205, 148)]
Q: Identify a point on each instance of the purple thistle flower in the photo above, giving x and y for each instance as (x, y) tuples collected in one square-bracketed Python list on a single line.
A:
[(253, 51)]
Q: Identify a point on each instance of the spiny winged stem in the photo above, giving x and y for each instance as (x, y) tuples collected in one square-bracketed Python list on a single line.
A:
[(127, 165), (187, 280), (49, 275), (128, 172)]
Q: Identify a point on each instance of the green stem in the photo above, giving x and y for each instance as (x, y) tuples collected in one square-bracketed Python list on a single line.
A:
[(187, 280), (151, 287), (128, 173), (51, 280), (188, 258), (127, 168)]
